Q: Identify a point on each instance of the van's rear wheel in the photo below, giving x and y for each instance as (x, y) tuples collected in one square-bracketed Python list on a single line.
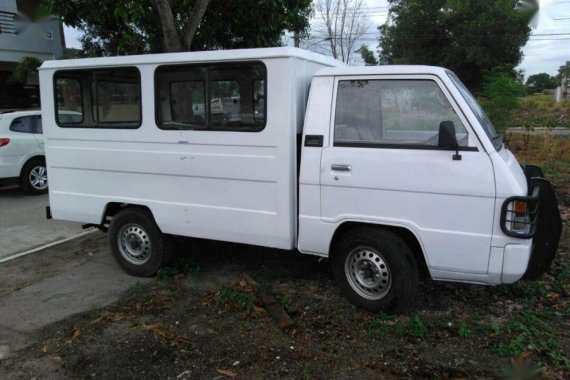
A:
[(376, 270), (137, 243)]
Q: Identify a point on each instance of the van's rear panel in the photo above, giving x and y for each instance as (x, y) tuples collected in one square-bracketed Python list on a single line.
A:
[(222, 185)]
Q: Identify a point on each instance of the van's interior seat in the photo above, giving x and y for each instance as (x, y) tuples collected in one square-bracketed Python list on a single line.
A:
[(354, 129)]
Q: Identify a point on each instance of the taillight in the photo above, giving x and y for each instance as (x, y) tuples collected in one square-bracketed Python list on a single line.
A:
[(4, 142)]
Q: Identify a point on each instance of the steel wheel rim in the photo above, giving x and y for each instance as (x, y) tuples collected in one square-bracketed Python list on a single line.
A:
[(368, 273), (134, 244), (38, 178)]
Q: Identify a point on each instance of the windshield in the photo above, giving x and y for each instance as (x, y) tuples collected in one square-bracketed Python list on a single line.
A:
[(488, 127)]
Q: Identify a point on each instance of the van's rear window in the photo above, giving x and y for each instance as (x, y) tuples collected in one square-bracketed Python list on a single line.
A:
[(98, 98), (214, 97)]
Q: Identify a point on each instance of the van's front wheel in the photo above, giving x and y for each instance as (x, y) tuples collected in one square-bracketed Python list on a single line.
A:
[(376, 270), (137, 243)]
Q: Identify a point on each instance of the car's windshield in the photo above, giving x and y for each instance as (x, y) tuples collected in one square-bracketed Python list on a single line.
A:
[(488, 127)]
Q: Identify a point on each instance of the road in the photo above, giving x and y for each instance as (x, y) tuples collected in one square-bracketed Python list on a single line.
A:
[(23, 223), (52, 284), (541, 131)]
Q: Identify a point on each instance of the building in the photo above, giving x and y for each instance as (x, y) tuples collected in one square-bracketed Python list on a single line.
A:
[(562, 92), (23, 34)]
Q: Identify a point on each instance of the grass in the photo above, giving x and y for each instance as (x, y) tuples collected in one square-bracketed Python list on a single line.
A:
[(530, 332), (385, 325), (536, 111), (182, 267), (241, 299), (463, 330)]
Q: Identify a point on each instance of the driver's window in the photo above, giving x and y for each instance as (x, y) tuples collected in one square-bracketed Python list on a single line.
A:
[(401, 112)]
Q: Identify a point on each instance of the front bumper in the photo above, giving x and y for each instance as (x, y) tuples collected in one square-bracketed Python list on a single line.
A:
[(548, 224)]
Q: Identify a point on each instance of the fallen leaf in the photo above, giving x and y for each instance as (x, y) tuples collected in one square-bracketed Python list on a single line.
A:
[(118, 317), (76, 332), (45, 349), (227, 372)]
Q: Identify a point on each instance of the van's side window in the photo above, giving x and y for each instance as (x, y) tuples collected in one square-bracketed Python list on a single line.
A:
[(392, 113), (215, 97), (98, 98)]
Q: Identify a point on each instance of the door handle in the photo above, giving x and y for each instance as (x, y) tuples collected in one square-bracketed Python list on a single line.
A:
[(341, 167)]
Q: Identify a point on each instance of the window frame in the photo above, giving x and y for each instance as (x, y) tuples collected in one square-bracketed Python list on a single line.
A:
[(384, 145), (206, 66), (95, 125)]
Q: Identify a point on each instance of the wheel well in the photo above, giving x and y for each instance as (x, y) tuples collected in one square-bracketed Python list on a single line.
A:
[(38, 157), (404, 233), (113, 208)]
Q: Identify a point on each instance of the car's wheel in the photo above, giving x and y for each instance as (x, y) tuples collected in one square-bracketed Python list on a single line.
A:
[(375, 270), (33, 179), (137, 243)]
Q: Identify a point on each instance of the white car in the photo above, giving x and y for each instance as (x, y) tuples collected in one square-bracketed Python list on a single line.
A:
[(22, 157)]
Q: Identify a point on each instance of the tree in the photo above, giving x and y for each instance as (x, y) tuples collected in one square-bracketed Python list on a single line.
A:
[(341, 23), (26, 67), (173, 38), (367, 56), (469, 37), (539, 82), (564, 75), (120, 27)]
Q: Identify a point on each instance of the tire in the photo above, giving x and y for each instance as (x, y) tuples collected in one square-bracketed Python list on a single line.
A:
[(137, 243), (33, 179), (388, 277)]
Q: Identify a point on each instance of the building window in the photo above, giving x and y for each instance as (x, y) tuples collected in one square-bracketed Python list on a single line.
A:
[(214, 97), (100, 98)]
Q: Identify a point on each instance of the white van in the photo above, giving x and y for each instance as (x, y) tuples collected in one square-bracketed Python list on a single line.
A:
[(390, 171)]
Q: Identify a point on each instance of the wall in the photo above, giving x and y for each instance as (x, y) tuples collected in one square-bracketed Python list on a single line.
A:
[(21, 37)]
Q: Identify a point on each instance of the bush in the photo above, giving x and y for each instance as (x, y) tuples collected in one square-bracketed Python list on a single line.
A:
[(500, 99)]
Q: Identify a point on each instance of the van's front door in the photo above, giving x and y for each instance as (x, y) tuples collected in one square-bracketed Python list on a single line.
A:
[(384, 165)]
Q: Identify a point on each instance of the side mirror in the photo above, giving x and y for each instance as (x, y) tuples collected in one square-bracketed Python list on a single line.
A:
[(447, 138)]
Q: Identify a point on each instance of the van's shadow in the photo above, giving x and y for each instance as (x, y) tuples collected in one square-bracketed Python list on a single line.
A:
[(267, 265)]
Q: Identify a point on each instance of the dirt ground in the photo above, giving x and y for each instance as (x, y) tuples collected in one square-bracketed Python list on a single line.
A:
[(200, 319)]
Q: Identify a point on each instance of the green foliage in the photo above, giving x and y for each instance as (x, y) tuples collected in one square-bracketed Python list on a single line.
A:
[(241, 299), (367, 56), (123, 27), (137, 289), (27, 66), (530, 331), (165, 273), (191, 269), (469, 37), (416, 328), (463, 330), (385, 325), (540, 82), (501, 96)]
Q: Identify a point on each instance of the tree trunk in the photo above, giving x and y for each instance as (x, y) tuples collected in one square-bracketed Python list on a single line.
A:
[(170, 38), (198, 11)]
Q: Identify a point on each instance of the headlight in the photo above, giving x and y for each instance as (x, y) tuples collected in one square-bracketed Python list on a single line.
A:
[(518, 215)]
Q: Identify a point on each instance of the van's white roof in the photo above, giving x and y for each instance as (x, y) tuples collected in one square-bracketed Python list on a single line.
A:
[(376, 70), (198, 56)]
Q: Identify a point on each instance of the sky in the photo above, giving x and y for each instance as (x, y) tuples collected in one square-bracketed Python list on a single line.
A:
[(547, 49)]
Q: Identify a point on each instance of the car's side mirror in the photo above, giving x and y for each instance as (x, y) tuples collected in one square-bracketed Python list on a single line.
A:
[(447, 138)]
